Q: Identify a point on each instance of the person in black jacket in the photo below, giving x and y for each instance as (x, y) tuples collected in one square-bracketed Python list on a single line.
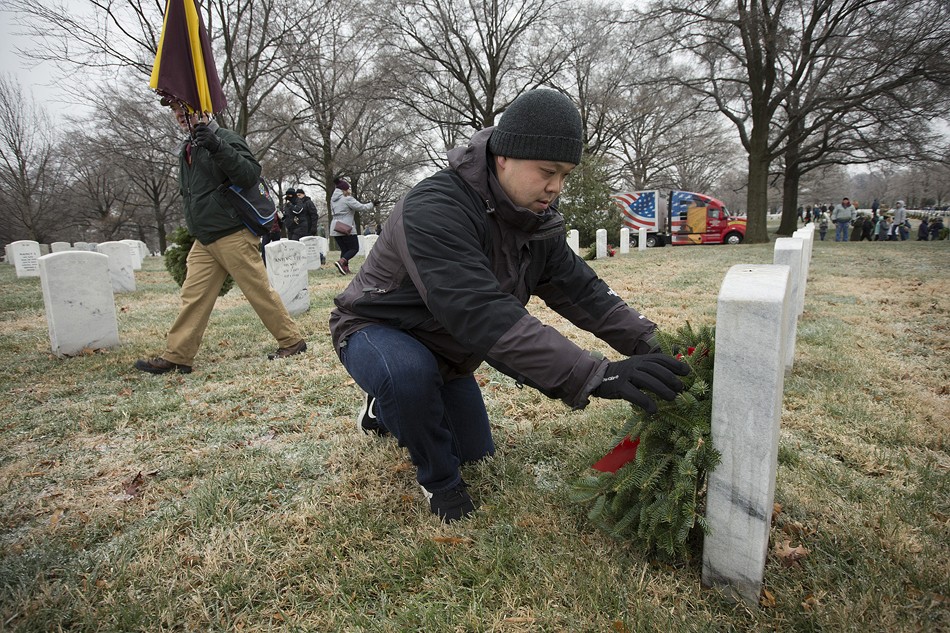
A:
[(303, 219), (445, 288)]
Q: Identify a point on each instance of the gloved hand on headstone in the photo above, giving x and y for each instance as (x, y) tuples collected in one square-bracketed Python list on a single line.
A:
[(625, 379)]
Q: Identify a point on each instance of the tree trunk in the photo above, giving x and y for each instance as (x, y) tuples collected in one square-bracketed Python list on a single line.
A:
[(757, 200), (789, 201)]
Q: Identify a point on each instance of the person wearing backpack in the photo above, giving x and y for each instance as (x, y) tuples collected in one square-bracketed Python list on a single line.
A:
[(303, 219), (212, 156)]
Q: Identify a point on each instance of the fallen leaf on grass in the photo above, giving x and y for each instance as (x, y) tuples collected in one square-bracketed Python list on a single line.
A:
[(810, 602), (776, 510), (789, 555), (767, 599), (133, 487), (401, 467), (57, 517), (620, 627), (795, 528)]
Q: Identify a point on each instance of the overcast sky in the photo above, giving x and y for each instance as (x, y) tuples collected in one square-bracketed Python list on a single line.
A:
[(34, 79)]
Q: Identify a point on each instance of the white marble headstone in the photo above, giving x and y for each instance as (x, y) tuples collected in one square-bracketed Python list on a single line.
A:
[(287, 271), (26, 255), (573, 240), (80, 308), (313, 251), (369, 241), (81, 246), (121, 267), (790, 252), (324, 246), (748, 380), (135, 252), (641, 239), (601, 243), (807, 233), (624, 241), (59, 247)]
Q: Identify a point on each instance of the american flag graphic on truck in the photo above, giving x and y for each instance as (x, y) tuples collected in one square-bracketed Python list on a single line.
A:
[(639, 209)]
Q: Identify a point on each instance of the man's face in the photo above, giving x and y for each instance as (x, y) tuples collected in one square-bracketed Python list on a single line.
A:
[(846, 203), (532, 184), (186, 120), (299, 196)]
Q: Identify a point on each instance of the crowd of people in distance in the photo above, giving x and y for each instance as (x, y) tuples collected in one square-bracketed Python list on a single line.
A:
[(881, 225)]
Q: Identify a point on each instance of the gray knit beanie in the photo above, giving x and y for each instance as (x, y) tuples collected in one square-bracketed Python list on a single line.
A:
[(539, 125)]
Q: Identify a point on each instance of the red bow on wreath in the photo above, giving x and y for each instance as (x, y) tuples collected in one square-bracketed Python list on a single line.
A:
[(622, 453)]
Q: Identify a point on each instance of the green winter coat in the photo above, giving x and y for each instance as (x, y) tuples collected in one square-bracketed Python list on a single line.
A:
[(208, 214)]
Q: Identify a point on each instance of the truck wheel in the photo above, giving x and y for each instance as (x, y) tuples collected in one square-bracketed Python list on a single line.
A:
[(651, 241), (733, 238)]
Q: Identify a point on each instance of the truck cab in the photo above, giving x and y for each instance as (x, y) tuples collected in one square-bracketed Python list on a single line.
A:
[(696, 218)]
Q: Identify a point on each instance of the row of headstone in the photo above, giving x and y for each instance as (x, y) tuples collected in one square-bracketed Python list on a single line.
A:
[(25, 248), (78, 285), (600, 244), (756, 317)]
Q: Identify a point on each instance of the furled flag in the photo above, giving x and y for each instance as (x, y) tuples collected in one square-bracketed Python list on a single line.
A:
[(639, 208)]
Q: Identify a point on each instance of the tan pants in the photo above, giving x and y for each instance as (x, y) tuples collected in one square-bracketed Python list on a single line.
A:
[(208, 266)]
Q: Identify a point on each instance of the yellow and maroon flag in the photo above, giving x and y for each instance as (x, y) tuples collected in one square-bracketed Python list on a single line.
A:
[(184, 70)]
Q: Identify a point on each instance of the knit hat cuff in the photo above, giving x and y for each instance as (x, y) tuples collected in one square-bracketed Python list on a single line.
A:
[(533, 147)]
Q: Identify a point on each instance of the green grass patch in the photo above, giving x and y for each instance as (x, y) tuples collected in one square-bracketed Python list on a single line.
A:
[(240, 497)]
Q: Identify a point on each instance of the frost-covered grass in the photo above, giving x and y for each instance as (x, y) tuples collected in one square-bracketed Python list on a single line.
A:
[(240, 498)]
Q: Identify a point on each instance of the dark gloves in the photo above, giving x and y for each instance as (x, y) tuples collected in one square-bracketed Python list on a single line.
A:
[(624, 379), (205, 138)]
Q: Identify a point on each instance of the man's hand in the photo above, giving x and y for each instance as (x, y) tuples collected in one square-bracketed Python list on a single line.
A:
[(205, 138), (656, 372)]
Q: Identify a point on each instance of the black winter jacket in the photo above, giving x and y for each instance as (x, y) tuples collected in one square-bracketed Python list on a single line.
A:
[(301, 219), (455, 268)]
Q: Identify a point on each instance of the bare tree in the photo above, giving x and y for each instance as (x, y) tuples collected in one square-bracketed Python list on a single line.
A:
[(457, 64), (122, 36), (98, 192), (752, 55), (861, 104), (31, 182)]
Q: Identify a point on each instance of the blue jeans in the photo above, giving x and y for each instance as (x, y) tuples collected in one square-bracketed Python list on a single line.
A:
[(841, 230), (442, 424)]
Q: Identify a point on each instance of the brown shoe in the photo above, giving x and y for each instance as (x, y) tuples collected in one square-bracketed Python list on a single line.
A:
[(341, 266), (283, 352), (159, 365)]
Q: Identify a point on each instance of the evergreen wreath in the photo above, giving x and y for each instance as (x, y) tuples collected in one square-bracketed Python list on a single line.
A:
[(651, 487), (176, 259)]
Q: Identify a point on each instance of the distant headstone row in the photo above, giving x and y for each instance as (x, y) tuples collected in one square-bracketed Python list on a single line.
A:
[(23, 253), (79, 284)]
